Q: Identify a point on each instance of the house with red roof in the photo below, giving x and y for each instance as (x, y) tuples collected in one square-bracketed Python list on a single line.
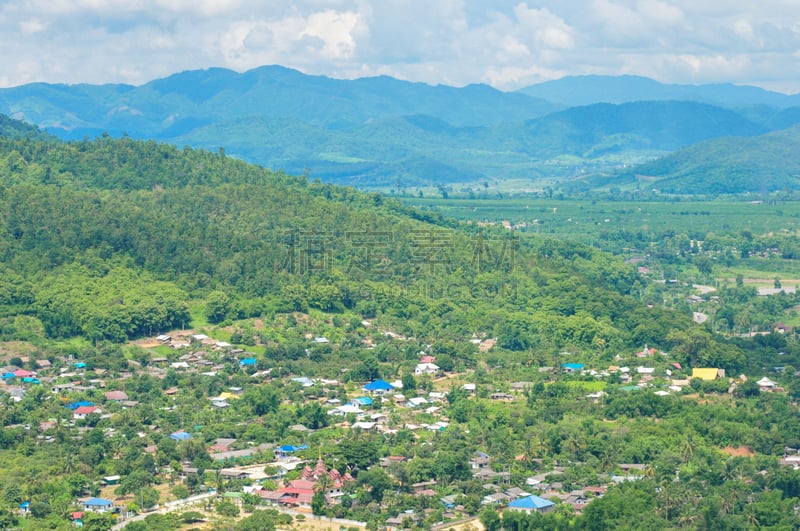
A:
[(83, 411), (116, 396)]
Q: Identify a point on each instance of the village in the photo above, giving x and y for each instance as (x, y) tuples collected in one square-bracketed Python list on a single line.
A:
[(303, 471)]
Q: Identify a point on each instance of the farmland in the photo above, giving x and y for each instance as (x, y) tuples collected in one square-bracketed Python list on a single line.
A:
[(586, 220)]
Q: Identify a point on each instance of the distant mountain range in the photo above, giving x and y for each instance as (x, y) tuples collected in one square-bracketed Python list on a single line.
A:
[(385, 132), (573, 91)]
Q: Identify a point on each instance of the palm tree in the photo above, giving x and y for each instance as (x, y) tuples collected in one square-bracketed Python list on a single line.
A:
[(324, 482), (574, 445), (751, 519), (118, 444), (687, 447), (527, 452), (541, 445)]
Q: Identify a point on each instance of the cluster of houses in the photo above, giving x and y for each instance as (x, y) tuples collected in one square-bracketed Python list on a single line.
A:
[(674, 375), (369, 411)]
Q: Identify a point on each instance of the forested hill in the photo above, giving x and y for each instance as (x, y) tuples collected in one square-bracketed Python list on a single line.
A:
[(760, 164), (10, 128), (112, 239)]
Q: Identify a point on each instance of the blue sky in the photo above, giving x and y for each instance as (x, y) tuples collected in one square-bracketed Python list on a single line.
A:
[(505, 43)]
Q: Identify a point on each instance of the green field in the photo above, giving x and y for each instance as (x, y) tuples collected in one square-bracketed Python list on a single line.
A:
[(584, 219)]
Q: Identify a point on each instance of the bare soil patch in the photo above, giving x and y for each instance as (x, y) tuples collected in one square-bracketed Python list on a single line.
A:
[(740, 451)]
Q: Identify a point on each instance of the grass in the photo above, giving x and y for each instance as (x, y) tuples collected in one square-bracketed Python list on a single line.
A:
[(592, 387), (163, 350), (786, 270), (197, 311)]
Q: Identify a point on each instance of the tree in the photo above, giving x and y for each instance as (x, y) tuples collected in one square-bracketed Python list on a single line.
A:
[(39, 509), (218, 306), (226, 508), (180, 491), (409, 382), (378, 481), (490, 519), (263, 399), (100, 521), (147, 497), (318, 503), (703, 265), (359, 452)]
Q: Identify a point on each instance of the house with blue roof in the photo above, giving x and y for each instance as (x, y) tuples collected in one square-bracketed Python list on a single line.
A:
[(361, 401), (98, 505), (288, 449), (378, 387), (572, 367), (248, 362), (25, 507), (180, 436), (531, 503)]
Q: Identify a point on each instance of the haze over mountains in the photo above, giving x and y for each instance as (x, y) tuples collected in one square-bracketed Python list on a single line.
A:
[(386, 132), (584, 90)]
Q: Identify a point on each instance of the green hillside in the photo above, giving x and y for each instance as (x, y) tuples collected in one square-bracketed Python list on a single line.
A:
[(761, 164), (162, 227), (417, 150)]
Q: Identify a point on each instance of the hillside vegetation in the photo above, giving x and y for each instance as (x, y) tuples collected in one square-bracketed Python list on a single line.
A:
[(761, 164), (163, 226)]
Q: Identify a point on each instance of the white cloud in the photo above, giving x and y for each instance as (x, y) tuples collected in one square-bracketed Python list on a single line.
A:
[(744, 29), (547, 30), (30, 27), (507, 43), (660, 13), (336, 30)]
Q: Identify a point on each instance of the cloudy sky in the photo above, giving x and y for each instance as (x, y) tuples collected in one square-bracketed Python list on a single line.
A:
[(504, 43)]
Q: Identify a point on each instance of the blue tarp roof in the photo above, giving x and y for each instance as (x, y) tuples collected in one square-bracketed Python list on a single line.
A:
[(378, 385), (573, 366), (8, 375), (180, 436), (248, 361), (288, 448), (363, 401), (530, 502)]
